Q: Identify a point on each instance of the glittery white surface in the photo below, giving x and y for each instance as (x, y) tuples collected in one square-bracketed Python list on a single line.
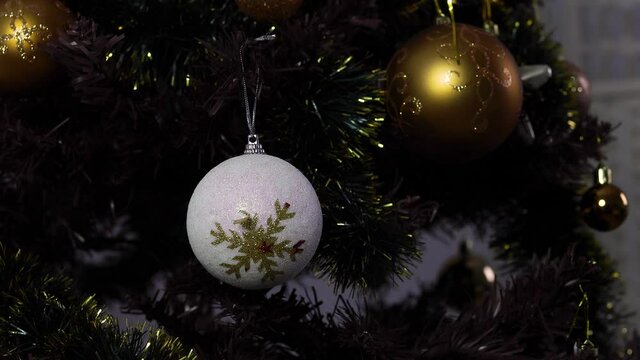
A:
[(253, 183)]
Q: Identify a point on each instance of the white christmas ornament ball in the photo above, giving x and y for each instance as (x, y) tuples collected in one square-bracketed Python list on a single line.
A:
[(254, 221)]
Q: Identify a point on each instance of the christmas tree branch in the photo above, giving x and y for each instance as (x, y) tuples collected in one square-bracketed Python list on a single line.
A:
[(41, 317)]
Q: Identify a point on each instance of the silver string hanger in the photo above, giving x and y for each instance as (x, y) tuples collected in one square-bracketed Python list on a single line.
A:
[(253, 144)]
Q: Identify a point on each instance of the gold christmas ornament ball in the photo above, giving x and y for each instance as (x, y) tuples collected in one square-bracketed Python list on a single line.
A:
[(24, 26), (465, 279), (579, 88), (453, 102), (269, 10), (604, 207)]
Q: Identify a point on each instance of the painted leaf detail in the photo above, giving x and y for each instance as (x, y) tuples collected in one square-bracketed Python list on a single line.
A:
[(257, 245)]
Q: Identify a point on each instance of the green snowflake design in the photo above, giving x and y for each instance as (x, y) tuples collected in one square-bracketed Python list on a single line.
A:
[(258, 245)]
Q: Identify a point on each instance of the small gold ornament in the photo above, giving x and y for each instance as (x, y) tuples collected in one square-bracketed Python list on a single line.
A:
[(453, 101), (579, 88), (24, 26), (269, 10), (465, 279), (604, 206)]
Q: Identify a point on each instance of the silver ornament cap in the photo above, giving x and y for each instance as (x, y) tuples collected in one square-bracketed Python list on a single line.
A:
[(253, 145)]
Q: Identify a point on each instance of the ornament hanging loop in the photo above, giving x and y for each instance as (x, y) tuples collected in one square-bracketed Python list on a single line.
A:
[(454, 30), (253, 144), (442, 19)]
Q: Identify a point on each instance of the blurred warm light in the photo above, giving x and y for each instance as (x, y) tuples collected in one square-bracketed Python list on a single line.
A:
[(20, 37), (489, 274), (441, 80), (624, 199)]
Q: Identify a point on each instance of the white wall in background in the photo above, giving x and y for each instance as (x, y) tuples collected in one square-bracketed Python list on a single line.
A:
[(603, 37)]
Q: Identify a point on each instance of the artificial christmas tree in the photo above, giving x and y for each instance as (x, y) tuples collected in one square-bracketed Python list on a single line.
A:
[(97, 176)]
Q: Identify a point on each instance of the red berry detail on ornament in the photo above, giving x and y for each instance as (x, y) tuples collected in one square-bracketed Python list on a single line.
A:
[(265, 247)]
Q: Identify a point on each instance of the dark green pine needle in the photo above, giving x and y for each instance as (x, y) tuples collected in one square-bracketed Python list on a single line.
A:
[(41, 317)]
